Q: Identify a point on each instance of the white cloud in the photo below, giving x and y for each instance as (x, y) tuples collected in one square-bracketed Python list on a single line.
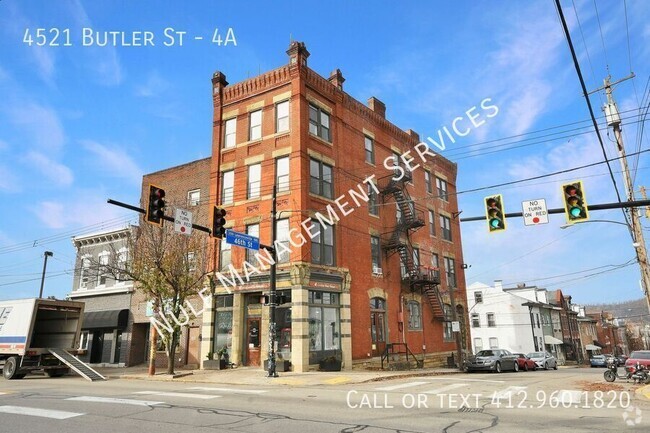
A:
[(154, 86), (87, 209), (56, 172), (52, 214), (114, 161), (42, 123), (103, 61)]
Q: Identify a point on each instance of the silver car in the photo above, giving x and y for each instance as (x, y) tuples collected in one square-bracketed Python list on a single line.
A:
[(543, 360), (497, 360)]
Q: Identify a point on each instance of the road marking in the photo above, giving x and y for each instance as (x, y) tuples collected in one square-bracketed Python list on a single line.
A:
[(43, 413), (508, 392), (115, 400), (400, 386), (244, 391), (466, 379), (178, 394), (445, 388)]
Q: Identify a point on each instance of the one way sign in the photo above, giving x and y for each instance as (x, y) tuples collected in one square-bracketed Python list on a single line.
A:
[(535, 212)]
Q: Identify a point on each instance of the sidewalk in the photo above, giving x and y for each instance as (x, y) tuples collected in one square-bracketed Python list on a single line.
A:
[(257, 376)]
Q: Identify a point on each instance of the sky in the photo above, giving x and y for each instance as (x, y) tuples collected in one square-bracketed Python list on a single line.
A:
[(80, 123)]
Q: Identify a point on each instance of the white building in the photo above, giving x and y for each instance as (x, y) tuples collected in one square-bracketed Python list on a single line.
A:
[(505, 318)]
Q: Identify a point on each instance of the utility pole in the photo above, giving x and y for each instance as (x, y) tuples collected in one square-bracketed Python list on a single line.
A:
[(272, 295), (46, 255), (614, 120), (454, 315)]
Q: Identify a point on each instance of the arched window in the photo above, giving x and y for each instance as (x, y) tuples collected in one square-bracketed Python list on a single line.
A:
[(378, 325), (448, 334)]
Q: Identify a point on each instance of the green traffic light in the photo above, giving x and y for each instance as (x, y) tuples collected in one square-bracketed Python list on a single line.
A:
[(575, 212), (495, 223)]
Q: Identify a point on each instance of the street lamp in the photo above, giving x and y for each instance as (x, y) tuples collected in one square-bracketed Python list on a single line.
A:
[(46, 255), (566, 226)]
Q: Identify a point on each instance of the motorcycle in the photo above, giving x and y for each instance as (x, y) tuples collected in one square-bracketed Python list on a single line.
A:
[(639, 375)]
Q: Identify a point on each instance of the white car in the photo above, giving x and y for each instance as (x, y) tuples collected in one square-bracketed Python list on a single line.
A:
[(543, 360)]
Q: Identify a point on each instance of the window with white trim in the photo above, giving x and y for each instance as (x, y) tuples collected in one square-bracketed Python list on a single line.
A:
[(322, 245), (225, 255), (84, 271), (375, 253), (252, 230), (282, 173), (228, 187), (282, 237), (476, 320), (427, 182), (441, 185), (370, 149), (122, 263), (102, 275), (254, 180), (230, 129), (255, 131), (320, 175), (432, 223), (450, 269), (478, 344), (415, 316), (194, 197), (445, 227), (282, 116), (491, 320), (494, 343)]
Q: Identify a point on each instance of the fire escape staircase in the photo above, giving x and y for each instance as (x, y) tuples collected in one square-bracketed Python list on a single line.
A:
[(411, 219)]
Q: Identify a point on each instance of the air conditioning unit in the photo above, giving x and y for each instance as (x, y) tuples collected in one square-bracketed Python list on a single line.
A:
[(376, 270)]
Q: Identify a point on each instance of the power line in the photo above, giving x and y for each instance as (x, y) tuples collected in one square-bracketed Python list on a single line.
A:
[(586, 95)]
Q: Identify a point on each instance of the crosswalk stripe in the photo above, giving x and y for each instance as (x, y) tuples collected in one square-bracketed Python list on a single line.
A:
[(115, 400), (177, 394), (401, 386), (445, 388), (43, 413), (465, 379), (569, 396), (243, 391), (508, 392)]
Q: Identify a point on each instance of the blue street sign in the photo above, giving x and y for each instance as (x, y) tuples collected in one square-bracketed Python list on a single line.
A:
[(242, 240)]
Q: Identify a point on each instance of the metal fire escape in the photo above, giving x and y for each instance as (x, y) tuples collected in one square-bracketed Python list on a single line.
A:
[(410, 219)]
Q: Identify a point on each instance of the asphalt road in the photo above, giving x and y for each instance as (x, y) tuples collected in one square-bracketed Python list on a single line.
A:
[(541, 401)]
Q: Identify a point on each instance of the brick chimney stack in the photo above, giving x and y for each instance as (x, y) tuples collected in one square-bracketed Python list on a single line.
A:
[(336, 78), (298, 54), (377, 106)]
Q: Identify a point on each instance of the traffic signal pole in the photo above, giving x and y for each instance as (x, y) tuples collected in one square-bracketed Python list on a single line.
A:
[(614, 120), (273, 292)]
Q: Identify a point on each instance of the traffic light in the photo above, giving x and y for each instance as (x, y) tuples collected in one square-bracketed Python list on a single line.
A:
[(496, 218), (156, 205), (575, 204), (218, 222)]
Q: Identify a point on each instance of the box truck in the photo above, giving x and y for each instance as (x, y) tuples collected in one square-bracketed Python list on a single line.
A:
[(41, 334)]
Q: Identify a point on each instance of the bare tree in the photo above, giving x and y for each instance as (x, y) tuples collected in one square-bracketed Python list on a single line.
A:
[(168, 267)]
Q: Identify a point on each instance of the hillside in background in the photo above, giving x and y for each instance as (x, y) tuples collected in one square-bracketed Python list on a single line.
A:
[(631, 311)]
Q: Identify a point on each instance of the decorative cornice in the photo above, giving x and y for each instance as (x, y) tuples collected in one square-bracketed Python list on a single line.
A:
[(256, 84)]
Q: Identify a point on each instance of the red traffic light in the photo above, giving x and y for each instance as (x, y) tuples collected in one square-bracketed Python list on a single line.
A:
[(155, 205), (218, 222)]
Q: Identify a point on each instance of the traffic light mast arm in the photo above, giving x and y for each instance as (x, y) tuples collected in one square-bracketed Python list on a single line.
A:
[(591, 207), (165, 217)]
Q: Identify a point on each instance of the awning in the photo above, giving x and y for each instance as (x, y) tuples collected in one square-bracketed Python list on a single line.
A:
[(591, 347), (106, 319), (599, 344), (549, 339)]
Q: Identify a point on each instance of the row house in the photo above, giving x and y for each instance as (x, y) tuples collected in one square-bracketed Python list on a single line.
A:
[(572, 346)]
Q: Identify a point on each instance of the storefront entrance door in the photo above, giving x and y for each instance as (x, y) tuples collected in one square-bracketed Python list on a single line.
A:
[(253, 342)]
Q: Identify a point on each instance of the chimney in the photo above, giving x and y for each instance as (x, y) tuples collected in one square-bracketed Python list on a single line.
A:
[(377, 106), (218, 82), (336, 78), (298, 54), (413, 134)]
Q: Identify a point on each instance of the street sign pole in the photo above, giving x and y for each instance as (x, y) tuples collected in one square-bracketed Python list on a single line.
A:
[(272, 296)]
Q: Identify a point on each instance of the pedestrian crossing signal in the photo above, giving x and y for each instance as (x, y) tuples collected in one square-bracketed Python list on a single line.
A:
[(494, 213)]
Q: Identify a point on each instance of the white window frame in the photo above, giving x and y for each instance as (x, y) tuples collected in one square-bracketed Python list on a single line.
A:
[(494, 343), (103, 260), (282, 173), (194, 197), (441, 187), (122, 259), (83, 340), (230, 133), (228, 187), (369, 146), (255, 129), (84, 267), (282, 119), (414, 320), (254, 186)]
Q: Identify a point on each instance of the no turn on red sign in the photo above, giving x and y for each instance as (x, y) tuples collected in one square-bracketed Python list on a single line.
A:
[(535, 212), (183, 222)]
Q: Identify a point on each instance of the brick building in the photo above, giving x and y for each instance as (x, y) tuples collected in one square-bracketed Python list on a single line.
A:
[(187, 186), (375, 268)]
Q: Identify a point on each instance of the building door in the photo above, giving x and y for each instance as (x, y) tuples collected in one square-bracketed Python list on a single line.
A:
[(253, 342), (97, 347), (194, 346), (378, 325)]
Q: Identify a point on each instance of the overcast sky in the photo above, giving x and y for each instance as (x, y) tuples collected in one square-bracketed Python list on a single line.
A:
[(80, 124)]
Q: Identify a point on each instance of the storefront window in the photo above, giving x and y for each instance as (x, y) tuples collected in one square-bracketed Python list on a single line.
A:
[(324, 324), (223, 324), (283, 327)]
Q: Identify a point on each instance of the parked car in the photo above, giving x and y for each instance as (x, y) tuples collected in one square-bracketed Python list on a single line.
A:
[(598, 361), (525, 363), (497, 360), (640, 356), (543, 360), (620, 360)]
